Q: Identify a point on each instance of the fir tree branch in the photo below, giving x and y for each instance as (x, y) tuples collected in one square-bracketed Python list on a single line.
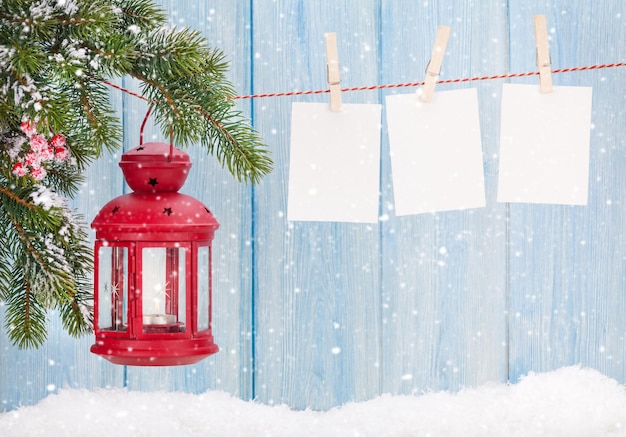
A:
[(54, 57), (26, 240), (47, 281), (162, 90), (246, 163), (15, 198), (25, 318), (141, 13), (100, 128)]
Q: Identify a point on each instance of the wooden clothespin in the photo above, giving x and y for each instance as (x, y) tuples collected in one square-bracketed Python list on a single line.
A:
[(543, 54), (332, 71), (434, 65)]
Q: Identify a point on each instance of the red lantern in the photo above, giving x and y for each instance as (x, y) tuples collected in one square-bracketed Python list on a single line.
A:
[(153, 265)]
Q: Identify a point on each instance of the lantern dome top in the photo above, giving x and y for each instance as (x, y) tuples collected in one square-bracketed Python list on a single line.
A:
[(155, 167), (149, 216), (155, 210)]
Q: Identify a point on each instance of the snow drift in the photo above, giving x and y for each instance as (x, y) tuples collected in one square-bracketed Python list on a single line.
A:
[(571, 401)]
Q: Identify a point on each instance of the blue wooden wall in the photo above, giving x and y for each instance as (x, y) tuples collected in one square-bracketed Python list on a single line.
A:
[(319, 314)]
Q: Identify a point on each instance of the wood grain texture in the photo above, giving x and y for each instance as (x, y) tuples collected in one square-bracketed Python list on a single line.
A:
[(444, 275), (567, 263), (314, 315), (316, 284)]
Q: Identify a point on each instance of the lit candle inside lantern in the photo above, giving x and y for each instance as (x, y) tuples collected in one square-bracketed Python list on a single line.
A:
[(155, 285), (159, 319)]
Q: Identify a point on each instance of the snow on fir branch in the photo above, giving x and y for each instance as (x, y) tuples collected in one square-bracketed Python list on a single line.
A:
[(56, 118)]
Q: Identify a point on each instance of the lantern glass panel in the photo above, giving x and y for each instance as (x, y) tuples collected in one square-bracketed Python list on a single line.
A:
[(113, 288), (204, 283), (163, 289)]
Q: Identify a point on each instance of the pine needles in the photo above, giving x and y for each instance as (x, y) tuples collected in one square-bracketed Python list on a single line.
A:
[(54, 59)]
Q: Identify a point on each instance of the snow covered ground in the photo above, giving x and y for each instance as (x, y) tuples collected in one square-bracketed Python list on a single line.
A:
[(571, 401)]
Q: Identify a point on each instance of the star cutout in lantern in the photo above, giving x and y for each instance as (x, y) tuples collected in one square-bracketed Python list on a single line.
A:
[(153, 182), (167, 211), (116, 209)]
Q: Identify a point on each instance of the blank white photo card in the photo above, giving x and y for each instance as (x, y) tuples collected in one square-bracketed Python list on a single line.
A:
[(436, 152), (334, 163), (544, 145)]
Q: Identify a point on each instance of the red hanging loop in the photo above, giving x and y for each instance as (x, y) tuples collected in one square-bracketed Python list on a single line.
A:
[(169, 158), (143, 125)]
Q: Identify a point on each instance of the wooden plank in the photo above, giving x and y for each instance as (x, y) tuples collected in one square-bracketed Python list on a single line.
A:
[(226, 26), (325, 313), (568, 294), (443, 275), (316, 284)]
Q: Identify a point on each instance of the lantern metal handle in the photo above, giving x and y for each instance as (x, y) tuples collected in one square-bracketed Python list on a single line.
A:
[(143, 125)]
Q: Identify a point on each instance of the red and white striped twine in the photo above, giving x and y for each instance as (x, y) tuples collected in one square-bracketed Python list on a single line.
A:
[(400, 85)]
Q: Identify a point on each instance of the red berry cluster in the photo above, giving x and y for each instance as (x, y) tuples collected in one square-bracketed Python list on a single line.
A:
[(41, 152)]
